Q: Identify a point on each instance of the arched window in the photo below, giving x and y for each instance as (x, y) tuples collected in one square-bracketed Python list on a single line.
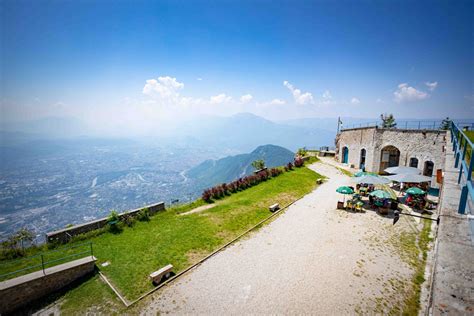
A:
[(389, 157), (362, 159), (414, 162), (345, 154), (428, 169)]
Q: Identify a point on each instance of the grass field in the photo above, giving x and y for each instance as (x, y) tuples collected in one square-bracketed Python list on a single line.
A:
[(179, 239)]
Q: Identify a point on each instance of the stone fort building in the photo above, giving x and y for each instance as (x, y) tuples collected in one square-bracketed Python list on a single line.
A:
[(375, 148)]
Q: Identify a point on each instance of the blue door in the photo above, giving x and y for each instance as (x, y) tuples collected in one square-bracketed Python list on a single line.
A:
[(345, 155)]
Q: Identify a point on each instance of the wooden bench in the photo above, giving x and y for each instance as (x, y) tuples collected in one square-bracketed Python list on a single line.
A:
[(274, 207), (157, 276)]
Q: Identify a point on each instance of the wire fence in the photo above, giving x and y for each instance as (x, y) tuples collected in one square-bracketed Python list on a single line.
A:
[(13, 268)]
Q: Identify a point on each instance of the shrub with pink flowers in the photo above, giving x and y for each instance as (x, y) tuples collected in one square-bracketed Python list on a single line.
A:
[(219, 191), (299, 162)]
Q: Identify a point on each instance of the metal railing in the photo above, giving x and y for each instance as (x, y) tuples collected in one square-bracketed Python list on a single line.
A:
[(463, 151), (414, 125), (42, 261)]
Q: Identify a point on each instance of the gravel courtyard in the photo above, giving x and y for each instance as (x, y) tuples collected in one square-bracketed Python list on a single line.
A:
[(312, 258)]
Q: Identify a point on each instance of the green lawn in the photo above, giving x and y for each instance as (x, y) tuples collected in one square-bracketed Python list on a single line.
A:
[(181, 239), (470, 135)]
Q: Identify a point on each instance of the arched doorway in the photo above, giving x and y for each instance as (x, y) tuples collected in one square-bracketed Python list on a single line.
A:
[(362, 159), (390, 157), (428, 168), (345, 154), (414, 162)]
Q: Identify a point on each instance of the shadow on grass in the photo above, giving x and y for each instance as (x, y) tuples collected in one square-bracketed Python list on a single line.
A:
[(44, 301)]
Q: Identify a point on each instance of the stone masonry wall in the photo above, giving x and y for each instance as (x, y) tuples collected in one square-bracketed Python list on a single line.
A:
[(64, 235), (423, 145), (356, 140)]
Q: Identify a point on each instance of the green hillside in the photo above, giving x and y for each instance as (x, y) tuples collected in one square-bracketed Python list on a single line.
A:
[(212, 172)]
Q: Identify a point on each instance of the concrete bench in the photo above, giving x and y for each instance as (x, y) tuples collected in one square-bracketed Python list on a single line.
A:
[(274, 207), (319, 181), (157, 276)]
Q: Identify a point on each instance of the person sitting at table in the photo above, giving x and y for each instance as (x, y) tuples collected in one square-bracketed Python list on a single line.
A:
[(371, 200)]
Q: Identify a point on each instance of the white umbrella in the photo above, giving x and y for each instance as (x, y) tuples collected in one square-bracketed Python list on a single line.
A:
[(409, 178), (403, 170), (371, 179)]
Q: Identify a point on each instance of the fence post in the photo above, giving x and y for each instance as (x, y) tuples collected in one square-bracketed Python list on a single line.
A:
[(42, 264), (463, 200), (92, 253)]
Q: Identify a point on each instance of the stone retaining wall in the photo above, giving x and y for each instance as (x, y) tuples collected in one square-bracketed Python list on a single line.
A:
[(21, 291), (64, 235)]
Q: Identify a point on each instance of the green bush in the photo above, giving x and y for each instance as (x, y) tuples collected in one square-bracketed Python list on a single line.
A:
[(129, 220), (114, 222), (143, 215)]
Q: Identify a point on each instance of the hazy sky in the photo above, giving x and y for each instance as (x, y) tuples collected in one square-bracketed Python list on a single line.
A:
[(142, 62)]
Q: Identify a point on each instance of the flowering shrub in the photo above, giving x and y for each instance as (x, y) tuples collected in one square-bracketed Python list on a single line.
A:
[(299, 162), (240, 184)]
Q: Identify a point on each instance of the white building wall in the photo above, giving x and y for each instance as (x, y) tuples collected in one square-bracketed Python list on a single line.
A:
[(424, 145)]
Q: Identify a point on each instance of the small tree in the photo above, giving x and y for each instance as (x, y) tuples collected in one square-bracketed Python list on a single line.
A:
[(388, 121), (14, 246), (302, 152), (258, 164), (445, 124)]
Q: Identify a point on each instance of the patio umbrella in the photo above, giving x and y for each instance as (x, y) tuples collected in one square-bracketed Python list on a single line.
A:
[(402, 169), (371, 179), (361, 173), (345, 190), (415, 191), (381, 194), (409, 178)]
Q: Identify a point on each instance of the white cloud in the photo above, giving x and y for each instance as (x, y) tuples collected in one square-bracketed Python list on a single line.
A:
[(405, 93), (246, 98), (354, 100), (277, 102), (327, 95), (431, 85), (164, 87), (300, 98), (327, 98), (220, 99), (199, 79)]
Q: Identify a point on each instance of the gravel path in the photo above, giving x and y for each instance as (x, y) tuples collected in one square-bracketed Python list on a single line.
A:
[(311, 259)]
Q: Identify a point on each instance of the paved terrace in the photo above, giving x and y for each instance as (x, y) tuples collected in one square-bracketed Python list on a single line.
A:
[(453, 287)]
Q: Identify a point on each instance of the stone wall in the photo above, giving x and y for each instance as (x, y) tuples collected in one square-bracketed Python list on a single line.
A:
[(425, 145), (356, 140), (65, 235), (19, 292)]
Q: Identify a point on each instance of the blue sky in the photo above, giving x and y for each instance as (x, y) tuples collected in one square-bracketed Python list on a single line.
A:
[(92, 59)]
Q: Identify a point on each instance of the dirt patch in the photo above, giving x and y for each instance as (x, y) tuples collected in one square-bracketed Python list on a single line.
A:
[(196, 255), (199, 209)]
